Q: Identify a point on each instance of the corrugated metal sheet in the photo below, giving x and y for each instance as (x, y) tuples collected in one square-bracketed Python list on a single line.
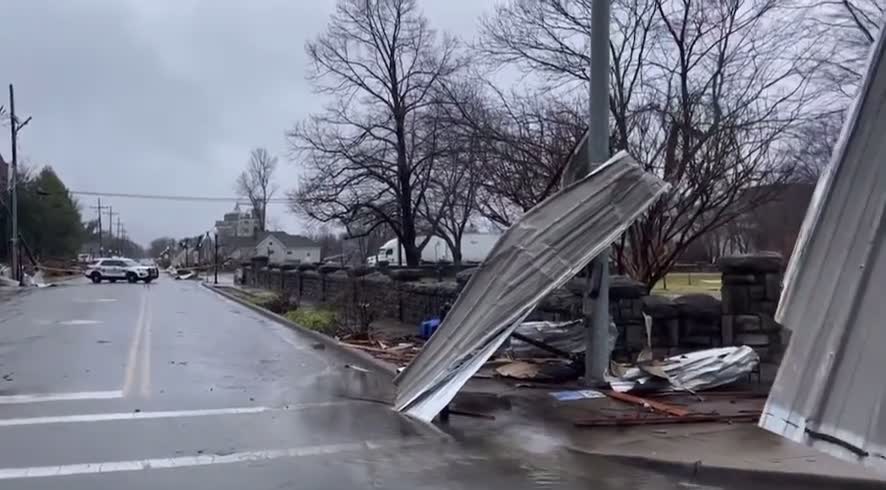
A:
[(831, 387), (544, 249)]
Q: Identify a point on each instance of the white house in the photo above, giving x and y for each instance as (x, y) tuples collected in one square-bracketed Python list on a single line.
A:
[(282, 248)]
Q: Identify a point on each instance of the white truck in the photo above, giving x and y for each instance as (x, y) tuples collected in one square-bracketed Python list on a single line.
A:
[(474, 249)]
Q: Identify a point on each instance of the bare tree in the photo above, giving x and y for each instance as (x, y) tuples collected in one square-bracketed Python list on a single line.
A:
[(452, 200), (814, 141), (848, 29), (256, 183), (368, 156), (702, 93), (521, 143)]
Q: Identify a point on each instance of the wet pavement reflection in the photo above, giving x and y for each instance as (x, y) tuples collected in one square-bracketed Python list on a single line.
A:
[(172, 387)]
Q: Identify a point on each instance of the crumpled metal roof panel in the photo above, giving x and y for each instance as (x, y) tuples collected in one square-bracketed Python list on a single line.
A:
[(550, 244), (831, 387)]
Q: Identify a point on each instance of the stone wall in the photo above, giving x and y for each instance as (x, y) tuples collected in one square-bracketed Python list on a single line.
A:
[(751, 286), (751, 289)]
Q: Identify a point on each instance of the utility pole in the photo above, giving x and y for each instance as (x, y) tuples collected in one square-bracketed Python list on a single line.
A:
[(99, 208), (14, 128), (215, 281), (111, 215), (119, 236), (597, 349)]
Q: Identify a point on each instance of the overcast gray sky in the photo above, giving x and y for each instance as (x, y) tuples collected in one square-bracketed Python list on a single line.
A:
[(167, 96)]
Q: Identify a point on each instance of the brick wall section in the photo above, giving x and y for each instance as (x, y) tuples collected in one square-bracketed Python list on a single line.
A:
[(751, 289)]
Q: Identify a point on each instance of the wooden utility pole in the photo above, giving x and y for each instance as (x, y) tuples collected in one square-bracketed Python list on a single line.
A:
[(99, 208), (111, 215), (14, 128)]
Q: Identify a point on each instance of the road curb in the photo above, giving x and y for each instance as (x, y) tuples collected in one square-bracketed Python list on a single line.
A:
[(358, 356), (717, 473)]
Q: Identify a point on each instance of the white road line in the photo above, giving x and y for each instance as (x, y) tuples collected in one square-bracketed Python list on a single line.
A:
[(79, 322), (60, 397), (168, 414), (203, 459)]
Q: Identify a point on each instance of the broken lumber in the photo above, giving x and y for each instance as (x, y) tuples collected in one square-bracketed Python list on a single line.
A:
[(645, 402), (661, 420)]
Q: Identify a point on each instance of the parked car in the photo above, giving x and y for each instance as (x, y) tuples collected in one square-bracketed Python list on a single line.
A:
[(119, 268)]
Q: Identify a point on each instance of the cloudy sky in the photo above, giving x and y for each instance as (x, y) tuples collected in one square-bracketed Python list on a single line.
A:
[(168, 96)]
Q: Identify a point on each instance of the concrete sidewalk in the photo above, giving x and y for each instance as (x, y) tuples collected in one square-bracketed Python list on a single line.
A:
[(689, 449)]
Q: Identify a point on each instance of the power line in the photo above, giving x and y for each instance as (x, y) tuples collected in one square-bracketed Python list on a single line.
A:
[(167, 197)]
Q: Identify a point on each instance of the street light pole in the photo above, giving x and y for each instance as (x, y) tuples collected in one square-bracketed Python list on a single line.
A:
[(597, 350)]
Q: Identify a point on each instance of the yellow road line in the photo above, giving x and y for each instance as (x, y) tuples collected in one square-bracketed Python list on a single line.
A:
[(146, 353), (132, 359)]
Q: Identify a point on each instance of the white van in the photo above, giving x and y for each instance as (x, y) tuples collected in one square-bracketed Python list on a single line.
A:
[(474, 249)]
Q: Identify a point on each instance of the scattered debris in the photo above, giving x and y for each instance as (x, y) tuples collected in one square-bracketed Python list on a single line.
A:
[(568, 396), (648, 403), (658, 420), (465, 413), (550, 370), (400, 354), (537, 339), (694, 371), (519, 370), (356, 368), (545, 248)]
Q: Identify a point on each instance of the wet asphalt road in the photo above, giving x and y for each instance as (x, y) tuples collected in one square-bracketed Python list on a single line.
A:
[(172, 386)]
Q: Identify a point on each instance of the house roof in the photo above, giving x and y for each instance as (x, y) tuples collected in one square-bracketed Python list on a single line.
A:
[(290, 241), (238, 241)]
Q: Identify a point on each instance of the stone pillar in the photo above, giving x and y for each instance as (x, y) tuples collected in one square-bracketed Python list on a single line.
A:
[(626, 311), (750, 290)]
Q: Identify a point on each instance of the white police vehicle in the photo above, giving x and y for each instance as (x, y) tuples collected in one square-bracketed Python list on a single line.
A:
[(120, 268)]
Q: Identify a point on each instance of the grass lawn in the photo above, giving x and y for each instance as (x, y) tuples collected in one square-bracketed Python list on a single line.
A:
[(680, 283)]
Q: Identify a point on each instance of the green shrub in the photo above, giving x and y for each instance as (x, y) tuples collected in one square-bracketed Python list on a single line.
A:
[(317, 319)]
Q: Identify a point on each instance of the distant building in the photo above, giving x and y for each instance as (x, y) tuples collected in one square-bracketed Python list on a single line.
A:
[(237, 223), (282, 248), (773, 226)]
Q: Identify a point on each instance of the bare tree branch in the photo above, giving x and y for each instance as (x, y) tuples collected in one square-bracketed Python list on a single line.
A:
[(705, 94)]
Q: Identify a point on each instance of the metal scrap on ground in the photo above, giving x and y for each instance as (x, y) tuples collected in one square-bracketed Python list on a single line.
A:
[(693, 371), (546, 247), (829, 392)]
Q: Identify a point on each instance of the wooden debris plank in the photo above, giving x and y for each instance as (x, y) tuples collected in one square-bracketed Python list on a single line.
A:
[(645, 402)]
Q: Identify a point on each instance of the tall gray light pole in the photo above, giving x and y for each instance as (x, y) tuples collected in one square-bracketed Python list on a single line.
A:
[(597, 351)]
